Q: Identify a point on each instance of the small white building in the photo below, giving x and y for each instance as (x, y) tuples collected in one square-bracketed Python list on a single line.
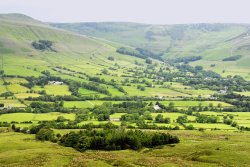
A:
[(156, 107), (115, 119), (55, 83)]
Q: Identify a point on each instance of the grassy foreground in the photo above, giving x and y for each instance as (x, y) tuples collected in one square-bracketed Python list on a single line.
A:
[(209, 148)]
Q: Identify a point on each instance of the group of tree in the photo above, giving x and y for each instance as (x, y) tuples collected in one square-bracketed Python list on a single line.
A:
[(139, 52), (111, 139), (201, 118), (186, 59), (232, 58), (43, 45)]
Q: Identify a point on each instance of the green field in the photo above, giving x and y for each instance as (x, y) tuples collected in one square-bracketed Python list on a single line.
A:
[(196, 103), (16, 88), (197, 149), (21, 117), (54, 89), (11, 103), (26, 95), (133, 91), (78, 104), (244, 93)]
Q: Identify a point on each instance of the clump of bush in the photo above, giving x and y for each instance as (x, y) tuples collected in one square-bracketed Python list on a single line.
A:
[(43, 45)]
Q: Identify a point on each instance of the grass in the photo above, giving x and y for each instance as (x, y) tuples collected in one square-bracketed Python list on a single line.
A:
[(196, 103), (78, 104), (243, 93), (212, 126), (24, 150), (133, 91), (11, 103), (83, 54), (196, 149), (16, 88), (15, 80), (21, 117), (2, 89), (173, 116), (26, 95), (86, 104), (54, 89)]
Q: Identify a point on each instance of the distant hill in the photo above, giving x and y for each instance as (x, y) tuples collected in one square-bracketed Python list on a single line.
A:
[(214, 42), (93, 43)]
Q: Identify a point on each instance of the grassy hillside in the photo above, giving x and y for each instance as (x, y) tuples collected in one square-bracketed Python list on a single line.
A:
[(213, 42), (17, 32)]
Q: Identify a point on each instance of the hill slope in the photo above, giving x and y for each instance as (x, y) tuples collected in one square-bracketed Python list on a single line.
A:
[(17, 32), (213, 42)]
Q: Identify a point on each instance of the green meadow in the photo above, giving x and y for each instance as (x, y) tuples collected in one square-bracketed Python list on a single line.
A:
[(22, 117), (196, 149)]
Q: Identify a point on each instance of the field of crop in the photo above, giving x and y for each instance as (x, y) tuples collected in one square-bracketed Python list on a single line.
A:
[(196, 149)]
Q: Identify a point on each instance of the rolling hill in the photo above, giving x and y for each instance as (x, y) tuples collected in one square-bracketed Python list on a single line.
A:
[(213, 42), (17, 32), (92, 95)]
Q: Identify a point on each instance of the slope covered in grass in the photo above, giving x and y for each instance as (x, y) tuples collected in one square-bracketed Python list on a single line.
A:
[(17, 32), (214, 42)]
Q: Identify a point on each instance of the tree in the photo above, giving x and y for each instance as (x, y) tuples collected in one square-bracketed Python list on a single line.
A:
[(189, 127), (105, 71), (182, 119), (45, 134), (198, 68), (111, 58), (13, 127), (160, 119), (60, 119), (171, 106), (148, 61)]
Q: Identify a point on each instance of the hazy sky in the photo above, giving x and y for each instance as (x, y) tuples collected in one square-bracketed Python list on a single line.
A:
[(143, 11)]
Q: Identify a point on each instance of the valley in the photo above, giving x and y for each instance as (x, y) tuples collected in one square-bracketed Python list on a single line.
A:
[(123, 94)]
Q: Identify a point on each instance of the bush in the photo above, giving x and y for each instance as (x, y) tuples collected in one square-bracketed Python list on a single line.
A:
[(232, 58), (42, 45), (45, 134)]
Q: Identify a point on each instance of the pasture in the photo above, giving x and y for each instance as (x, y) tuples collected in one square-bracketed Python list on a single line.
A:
[(196, 149), (16, 88), (11, 103), (196, 103), (54, 89), (21, 117)]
